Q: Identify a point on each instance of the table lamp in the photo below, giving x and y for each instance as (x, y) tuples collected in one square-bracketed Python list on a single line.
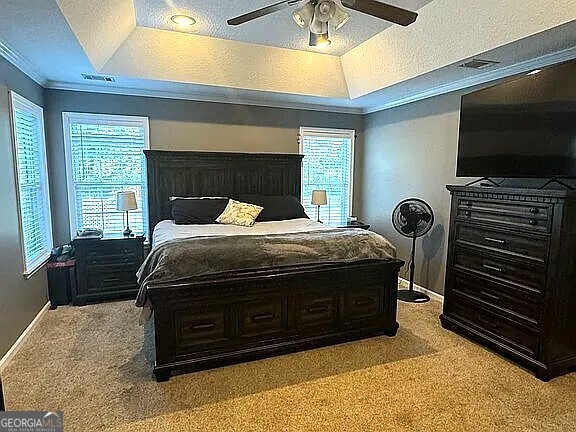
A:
[(126, 201), (319, 198)]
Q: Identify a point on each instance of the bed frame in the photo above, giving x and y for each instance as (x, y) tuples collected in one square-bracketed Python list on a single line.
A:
[(256, 314)]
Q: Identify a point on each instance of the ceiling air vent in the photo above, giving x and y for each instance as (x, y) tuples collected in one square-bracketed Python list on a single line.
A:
[(98, 78), (479, 64)]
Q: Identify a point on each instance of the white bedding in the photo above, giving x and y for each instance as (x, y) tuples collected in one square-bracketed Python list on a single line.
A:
[(167, 230)]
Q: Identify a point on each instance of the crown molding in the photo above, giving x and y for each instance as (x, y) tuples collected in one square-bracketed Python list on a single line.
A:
[(21, 63), (200, 97), (27, 68), (481, 78)]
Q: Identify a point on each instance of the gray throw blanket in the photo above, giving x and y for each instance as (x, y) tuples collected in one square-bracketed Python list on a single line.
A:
[(192, 259)]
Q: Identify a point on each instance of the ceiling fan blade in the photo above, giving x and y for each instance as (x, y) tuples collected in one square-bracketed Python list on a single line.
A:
[(383, 11), (258, 13)]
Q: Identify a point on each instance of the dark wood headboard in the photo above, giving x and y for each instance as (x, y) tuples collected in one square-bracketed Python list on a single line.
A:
[(176, 173)]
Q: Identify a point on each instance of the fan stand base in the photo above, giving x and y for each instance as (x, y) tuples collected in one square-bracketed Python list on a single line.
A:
[(412, 296)]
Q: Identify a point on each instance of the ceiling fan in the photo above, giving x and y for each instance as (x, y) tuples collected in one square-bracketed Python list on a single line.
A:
[(317, 15)]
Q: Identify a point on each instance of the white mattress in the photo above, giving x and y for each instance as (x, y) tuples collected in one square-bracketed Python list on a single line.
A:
[(167, 230)]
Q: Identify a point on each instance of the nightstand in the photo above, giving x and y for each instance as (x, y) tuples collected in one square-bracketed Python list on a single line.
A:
[(106, 268), (356, 225)]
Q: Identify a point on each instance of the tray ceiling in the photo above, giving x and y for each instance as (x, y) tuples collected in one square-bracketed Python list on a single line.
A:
[(56, 41), (278, 29)]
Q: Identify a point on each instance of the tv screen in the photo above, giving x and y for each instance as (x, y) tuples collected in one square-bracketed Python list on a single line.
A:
[(522, 128)]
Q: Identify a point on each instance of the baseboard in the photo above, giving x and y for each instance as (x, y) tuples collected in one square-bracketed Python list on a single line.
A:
[(432, 294), (16, 346)]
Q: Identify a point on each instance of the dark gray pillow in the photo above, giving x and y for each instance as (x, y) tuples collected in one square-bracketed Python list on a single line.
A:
[(276, 207), (197, 211)]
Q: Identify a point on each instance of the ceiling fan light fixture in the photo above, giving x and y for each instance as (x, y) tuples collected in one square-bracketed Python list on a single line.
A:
[(339, 18), (319, 40), (318, 27), (324, 10), (303, 17)]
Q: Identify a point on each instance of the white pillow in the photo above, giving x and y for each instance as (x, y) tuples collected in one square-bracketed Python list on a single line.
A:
[(239, 213)]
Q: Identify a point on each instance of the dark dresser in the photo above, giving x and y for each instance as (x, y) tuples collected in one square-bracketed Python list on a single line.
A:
[(511, 274), (106, 268)]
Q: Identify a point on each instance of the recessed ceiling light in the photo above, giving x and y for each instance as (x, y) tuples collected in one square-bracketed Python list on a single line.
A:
[(534, 72), (183, 20)]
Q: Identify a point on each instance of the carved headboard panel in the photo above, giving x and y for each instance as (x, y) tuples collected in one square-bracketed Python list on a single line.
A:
[(175, 173)]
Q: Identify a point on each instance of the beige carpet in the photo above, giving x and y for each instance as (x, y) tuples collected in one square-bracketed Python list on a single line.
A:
[(93, 363)]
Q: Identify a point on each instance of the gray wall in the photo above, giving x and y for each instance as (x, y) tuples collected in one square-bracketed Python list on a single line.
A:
[(20, 299), (410, 151), (188, 125)]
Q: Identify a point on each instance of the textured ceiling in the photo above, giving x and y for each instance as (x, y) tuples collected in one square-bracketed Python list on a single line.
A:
[(277, 29), (56, 41)]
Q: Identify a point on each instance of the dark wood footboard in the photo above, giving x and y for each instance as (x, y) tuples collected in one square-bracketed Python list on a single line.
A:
[(265, 313)]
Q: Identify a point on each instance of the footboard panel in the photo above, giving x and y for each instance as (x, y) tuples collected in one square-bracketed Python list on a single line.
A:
[(264, 313)]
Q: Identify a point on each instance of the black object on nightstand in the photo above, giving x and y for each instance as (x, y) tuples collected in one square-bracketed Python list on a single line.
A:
[(356, 224), (106, 268)]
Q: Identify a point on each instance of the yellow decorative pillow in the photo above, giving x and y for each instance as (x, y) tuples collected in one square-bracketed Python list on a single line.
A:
[(239, 213)]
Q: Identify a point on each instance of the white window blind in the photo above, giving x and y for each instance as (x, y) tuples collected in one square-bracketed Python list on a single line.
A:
[(104, 156), (32, 182), (328, 164)]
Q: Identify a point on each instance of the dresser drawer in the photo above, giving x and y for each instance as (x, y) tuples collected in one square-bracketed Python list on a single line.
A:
[(497, 326), (106, 281), (201, 328), (316, 309), (520, 303), (522, 246), (362, 303), (113, 257), (519, 273), (535, 217), (264, 316)]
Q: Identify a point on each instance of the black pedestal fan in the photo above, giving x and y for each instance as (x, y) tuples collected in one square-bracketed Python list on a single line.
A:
[(412, 218)]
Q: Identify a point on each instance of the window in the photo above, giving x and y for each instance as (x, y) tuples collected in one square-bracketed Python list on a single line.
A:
[(104, 155), (328, 163), (32, 182)]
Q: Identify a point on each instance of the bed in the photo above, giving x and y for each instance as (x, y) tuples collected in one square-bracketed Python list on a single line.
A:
[(247, 311)]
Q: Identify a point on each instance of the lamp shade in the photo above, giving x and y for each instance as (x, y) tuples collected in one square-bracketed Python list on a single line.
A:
[(303, 17), (319, 197), (126, 201), (339, 18)]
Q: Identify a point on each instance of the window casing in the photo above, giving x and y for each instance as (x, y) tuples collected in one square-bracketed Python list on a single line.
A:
[(328, 164), (104, 155), (31, 174)]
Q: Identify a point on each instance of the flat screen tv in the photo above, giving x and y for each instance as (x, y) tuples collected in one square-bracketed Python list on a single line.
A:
[(522, 128)]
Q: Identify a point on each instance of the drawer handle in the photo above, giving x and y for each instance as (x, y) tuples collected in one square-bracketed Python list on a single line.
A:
[(491, 267), (467, 213), (263, 317), (534, 210), (317, 309), (533, 222), (111, 279), (493, 240), (492, 296), (364, 301), (467, 203), (203, 326)]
